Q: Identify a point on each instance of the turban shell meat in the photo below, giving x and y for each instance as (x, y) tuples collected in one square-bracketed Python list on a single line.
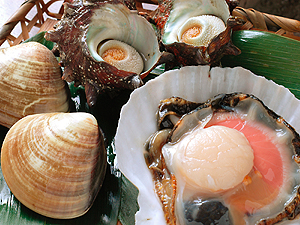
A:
[(55, 163), (86, 28), (197, 32), (30, 80)]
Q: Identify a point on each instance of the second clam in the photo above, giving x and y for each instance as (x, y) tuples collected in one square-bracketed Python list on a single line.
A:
[(55, 163)]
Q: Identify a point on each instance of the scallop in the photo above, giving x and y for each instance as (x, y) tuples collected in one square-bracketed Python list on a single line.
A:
[(54, 163), (30, 79), (261, 184), (214, 150), (233, 150)]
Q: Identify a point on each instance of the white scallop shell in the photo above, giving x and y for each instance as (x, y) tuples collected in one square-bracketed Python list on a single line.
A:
[(196, 83)]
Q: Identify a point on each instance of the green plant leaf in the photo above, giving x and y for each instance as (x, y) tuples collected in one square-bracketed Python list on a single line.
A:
[(266, 54), (129, 204), (40, 38)]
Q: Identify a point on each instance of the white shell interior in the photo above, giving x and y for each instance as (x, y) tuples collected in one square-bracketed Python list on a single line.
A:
[(183, 10), (194, 83), (115, 21)]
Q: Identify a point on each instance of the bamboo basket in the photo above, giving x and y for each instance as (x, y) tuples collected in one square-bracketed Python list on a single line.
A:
[(252, 19), (20, 16)]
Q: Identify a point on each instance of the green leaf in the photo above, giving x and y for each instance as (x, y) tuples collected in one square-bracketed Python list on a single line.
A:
[(129, 205), (270, 55), (157, 70), (79, 103), (40, 38)]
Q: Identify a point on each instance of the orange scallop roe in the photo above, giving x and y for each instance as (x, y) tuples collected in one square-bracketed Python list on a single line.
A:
[(113, 54), (191, 33)]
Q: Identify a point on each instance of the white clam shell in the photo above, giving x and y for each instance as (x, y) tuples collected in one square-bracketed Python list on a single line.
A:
[(30, 80), (138, 118), (55, 163)]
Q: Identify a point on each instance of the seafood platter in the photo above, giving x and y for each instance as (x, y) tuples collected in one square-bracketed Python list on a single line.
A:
[(183, 114)]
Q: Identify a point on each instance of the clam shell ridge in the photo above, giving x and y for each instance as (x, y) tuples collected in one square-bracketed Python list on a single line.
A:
[(30, 80), (55, 163)]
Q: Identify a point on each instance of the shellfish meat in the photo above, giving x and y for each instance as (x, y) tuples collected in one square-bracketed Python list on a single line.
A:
[(102, 33), (223, 153), (276, 202), (30, 80), (55, 163)]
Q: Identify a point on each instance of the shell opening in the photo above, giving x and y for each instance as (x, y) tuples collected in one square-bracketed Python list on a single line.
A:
[(121, 55), (200, 30)]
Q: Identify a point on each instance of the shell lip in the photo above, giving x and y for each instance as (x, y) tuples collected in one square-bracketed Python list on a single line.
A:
[(130, 80)]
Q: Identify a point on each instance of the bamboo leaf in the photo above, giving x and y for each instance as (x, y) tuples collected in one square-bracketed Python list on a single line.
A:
[(270, 55)]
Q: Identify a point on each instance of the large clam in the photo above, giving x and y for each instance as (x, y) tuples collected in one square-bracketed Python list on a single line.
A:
[(196, 31), (95, 41), (54, 163), (30, 80)]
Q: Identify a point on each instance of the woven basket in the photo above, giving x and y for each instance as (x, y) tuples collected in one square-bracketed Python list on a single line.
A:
[(42, 8), (255, 20), (252, 20)]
